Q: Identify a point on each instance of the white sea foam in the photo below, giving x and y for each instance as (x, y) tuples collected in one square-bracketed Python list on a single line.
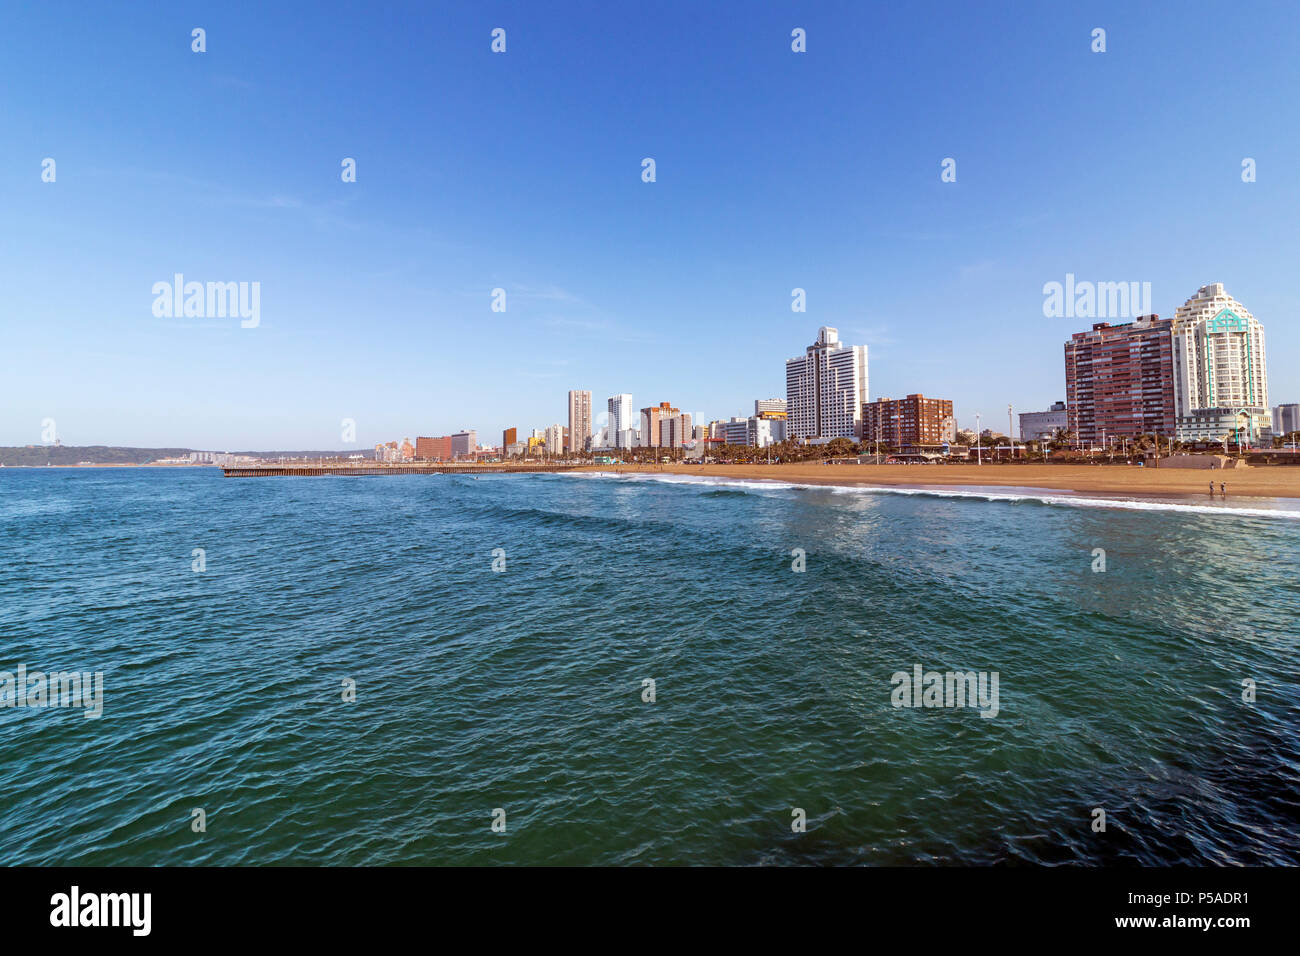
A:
[(1012, 496)]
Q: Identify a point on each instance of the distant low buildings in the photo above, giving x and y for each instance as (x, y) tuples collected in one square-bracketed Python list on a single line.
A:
[(756, 431), (1036, 426), (1286, 419)]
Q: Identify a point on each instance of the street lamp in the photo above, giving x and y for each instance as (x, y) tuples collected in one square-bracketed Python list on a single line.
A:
[(1011, 435), (979, 459)]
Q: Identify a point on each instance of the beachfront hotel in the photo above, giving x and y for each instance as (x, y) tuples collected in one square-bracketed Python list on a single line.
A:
[(825, 388), (1220, 377), (1119, 380)]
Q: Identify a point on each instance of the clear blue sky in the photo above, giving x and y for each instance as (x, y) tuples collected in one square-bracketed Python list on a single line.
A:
[(523, 170)]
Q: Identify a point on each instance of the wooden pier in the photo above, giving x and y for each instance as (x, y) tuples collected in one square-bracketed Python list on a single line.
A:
[(305, 469)]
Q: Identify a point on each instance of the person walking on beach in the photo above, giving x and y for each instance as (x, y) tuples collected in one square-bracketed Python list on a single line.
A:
[(1223, 489), (1211, 489)]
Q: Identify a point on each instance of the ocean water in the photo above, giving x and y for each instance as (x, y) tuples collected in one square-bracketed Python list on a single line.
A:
[(522, 689)]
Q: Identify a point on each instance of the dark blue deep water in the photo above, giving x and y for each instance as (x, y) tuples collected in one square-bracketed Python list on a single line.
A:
[(522, 690)]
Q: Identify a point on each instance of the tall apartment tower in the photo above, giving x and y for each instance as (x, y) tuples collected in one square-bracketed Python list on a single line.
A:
[(1119, 380), (825, 388), (622, 421), (1220, 375), (579, 420)]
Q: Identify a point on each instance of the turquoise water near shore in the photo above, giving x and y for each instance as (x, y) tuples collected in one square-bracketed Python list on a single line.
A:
[(522, 689)]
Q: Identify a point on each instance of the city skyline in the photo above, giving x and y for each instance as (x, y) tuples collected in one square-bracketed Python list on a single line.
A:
[(827, 393), (376, 296)]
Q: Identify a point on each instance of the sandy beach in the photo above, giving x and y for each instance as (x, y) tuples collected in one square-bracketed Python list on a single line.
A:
[(1261, 482)]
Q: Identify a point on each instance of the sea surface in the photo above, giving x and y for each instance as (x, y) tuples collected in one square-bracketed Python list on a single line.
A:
[(523, 689)]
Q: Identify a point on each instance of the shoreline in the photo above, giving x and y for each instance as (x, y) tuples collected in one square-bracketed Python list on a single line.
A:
[(1191, 485)]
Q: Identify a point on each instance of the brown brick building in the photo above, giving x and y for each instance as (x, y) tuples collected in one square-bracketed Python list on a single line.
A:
[(915, 420), (1119, 380), (433, 449)]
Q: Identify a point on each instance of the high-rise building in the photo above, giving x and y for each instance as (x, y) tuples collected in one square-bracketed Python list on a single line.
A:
[(579, 420), (1035, 426), (621, 420), (650, 419), (826, 387), (1119, 380), (555, 440), (464, 444), (1286, 419), (509, 436), (762, 405), (1220, 375), (675, 430), (915, 420)]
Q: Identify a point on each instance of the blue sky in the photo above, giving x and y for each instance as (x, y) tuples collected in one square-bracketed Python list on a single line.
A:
[(522, 170)]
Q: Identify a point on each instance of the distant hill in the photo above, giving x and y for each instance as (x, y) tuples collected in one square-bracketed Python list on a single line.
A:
[(72, 454), (40, 455)]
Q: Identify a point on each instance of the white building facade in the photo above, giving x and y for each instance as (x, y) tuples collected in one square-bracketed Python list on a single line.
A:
[(1038, 425), (622, 421), (1220, 374), (464, 444), (825, 388), (1286, 419)]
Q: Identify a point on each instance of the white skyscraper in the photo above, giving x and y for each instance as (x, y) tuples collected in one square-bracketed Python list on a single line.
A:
[(555, 440), (1220, 375), (825, 388), (622, 420)]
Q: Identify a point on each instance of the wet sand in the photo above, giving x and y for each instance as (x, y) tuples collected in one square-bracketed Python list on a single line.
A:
[(1278, 481)]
